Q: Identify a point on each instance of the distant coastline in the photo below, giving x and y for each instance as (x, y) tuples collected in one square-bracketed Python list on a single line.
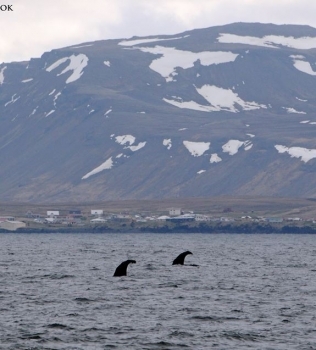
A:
[(192, 227)]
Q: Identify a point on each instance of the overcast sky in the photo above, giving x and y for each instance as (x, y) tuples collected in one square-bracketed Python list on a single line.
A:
[(36, 26)]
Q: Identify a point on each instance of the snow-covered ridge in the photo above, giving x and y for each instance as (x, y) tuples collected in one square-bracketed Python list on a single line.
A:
[(220, 100), (272, 41), (297, 152), (173, 58), (76, 65), (197, 149), (104, 166)]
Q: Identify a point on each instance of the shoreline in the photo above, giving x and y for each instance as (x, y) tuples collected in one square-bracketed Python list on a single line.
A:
[(194, 227)]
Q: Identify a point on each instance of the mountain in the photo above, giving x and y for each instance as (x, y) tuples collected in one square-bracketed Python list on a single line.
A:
[(227, 110)]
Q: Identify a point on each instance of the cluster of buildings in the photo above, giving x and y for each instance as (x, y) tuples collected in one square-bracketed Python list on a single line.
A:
[(97, 216)]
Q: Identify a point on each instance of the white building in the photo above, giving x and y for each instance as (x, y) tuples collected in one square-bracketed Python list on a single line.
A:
[(98, 220), (96, 212), (52, 213), (201, 217), (175, 211)]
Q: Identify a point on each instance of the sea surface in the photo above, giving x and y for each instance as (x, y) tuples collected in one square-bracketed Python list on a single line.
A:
[(249, 292)]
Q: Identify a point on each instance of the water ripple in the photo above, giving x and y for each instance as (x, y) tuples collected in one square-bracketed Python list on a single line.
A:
[(249, 292)]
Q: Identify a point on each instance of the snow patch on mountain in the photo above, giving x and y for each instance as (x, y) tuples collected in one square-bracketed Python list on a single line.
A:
[(292, 110), (197, 149), (145, 41), (224, 99), (108, 164), (232, 146), (219, 98), (34, 111), (13, 100), (108, 111), (167, 143), (272, 41), (80, 46), (124, 139), (297, 152), (137, 147), (247, 145), (2, 74), (189, 105), (215, 158), (49, 113), (129, 139), (302, 65), (301, 99), (172, 58), (55, 98), (76, 65)]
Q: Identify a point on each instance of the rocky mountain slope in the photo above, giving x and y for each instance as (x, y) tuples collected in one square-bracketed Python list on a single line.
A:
[(227, 110)]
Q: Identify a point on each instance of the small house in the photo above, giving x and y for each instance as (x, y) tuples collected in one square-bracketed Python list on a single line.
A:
[(201, 217), (52, 213), (98, 220), (175, 211), (121, 218), (181, 218), (274, 219), (97, 212)]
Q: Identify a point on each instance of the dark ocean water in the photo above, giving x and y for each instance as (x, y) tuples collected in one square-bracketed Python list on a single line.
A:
[(250, 292)]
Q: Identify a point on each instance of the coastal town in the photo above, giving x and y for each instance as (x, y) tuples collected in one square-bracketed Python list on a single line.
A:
[(95, 218)]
